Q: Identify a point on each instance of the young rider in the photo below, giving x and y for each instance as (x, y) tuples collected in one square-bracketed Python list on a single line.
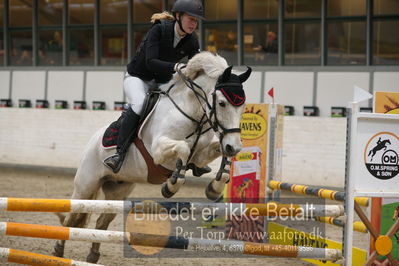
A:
[(155, 61)]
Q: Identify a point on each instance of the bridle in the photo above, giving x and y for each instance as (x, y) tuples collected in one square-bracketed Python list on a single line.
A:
[(210, 119)]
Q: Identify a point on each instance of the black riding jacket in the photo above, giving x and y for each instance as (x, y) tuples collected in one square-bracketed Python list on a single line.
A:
[(156, 56)]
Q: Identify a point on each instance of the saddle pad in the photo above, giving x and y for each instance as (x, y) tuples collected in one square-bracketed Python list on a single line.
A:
[(110, 136)]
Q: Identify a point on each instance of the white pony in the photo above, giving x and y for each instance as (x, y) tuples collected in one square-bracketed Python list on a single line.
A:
[(164, 135)]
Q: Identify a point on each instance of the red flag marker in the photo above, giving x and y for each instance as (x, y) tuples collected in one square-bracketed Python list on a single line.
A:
[(271, 93)]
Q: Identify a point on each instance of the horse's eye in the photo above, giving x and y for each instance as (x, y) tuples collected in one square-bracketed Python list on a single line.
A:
[(222, 104)]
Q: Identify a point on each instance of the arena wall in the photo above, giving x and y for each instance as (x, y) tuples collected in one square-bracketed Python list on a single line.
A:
[(298, 88), (313, 147)]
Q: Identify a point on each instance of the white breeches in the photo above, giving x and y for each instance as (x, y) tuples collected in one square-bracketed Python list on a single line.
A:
[(136, 90)]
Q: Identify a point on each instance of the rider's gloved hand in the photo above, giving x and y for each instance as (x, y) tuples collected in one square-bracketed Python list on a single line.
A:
[(179, 66)]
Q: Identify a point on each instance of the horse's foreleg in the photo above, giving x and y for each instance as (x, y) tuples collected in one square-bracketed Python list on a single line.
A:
[(178, 178), (112, 191), (207, 155), (166, 149), (215, 188)]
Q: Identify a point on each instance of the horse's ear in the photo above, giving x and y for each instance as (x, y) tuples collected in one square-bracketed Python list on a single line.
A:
[(244, 76), (226, 75)]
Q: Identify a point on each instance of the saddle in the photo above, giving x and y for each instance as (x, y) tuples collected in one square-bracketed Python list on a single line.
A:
[(157, 174)]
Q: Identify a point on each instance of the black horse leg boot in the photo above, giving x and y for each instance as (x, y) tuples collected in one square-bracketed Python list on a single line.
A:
[(199, 171), (127, 130)]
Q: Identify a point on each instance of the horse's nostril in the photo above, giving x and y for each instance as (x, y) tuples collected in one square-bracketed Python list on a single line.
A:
[(229, 149)]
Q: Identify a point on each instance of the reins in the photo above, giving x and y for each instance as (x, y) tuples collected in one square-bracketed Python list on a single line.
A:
[(205, 119)]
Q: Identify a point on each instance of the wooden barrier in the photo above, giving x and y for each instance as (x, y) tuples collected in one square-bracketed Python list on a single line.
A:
[(315, 191), (29, 258), (102, 206)]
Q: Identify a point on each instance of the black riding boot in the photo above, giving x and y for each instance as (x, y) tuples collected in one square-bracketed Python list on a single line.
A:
[(127, 130)]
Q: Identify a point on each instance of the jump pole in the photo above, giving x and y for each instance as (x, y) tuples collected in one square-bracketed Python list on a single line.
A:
[(193, 244), (29, 258), (357, 225), (315, 191), (103, 206), (60, 232)]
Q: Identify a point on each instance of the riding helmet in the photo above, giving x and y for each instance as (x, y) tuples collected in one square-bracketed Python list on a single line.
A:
[(192, 7)]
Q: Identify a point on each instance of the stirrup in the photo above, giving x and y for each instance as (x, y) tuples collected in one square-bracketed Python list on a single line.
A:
[(114, 162)]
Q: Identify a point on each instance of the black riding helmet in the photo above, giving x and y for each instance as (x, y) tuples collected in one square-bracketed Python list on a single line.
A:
[(191, 7)]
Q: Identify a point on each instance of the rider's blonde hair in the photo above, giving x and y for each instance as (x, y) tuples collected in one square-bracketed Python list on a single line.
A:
[(158, 16)]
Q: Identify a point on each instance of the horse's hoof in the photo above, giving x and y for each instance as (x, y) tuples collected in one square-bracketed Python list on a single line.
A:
[(165, 191), (58, 250), (211, 194), (93, 257)]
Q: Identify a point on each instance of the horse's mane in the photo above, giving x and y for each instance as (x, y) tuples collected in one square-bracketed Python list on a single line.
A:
[(205, 62), (212, 64)]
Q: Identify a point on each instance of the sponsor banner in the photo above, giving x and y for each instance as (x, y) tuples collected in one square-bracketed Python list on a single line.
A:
[(381, 155), (386, 102), (251, 161), (279, 234), (377, 154), (249, 168), (385, 211)]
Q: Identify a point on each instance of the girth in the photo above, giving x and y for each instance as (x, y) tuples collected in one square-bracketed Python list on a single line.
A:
[(157, 174)]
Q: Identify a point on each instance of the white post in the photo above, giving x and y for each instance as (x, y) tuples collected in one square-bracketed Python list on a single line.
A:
[(271, 146), (351, 163)]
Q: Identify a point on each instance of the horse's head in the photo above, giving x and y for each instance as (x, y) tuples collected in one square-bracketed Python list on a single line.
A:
[(228, 101), (224, 94)]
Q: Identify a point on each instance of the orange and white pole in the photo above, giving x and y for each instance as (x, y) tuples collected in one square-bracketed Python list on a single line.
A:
[(60, 232), (192, 244), (29, 258), (105, 206)]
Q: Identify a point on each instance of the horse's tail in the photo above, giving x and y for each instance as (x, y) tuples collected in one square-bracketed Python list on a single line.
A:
[(155, 18)]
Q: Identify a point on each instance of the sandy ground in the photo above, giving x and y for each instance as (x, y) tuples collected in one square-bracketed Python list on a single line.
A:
[(45, 183)]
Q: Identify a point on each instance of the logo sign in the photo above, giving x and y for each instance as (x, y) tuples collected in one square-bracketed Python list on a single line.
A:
[(245, 156), (381, 155), (252, 126)]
